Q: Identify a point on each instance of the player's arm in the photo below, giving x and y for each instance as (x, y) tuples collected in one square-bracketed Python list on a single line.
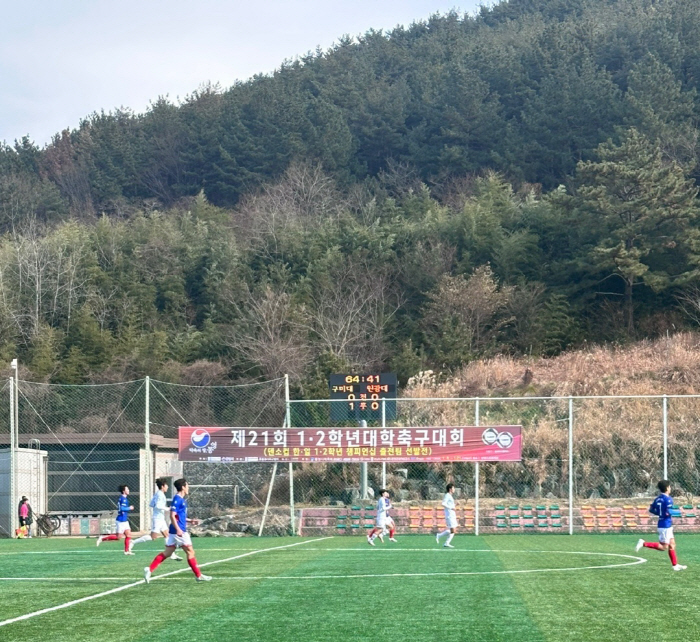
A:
[(161, 502), (654, 508)]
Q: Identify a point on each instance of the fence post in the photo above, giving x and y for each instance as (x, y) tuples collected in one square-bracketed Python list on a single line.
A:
[(288, 424), (145, 492), (476, 477), (571, 465), (13, 447), (665, 407), (383, 426)]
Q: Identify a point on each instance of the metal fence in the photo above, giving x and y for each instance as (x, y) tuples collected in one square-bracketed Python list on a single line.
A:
[(589, 463)]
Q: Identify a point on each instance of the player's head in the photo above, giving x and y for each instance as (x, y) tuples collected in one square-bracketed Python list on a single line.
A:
[(449, 488), (162, 484), (664, 485), (384, 492), (181, 485), (124, 489)]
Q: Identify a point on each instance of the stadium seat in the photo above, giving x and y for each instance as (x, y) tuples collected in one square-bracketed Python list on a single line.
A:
[(588, 525), (500, 511), (515, 523), (514, 512)]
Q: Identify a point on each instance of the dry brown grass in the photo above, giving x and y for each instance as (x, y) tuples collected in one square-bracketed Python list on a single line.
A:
[(617, 442), (665, 366)]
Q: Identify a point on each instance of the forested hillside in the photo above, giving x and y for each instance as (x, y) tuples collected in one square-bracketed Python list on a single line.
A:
[(518, 182)]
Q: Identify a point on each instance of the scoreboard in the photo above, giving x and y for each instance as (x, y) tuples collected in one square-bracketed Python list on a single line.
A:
[(363, 395)]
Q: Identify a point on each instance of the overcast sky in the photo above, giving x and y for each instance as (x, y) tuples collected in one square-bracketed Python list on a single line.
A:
[(61, 60)]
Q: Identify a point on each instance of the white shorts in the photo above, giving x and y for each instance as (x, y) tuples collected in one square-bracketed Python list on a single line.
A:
[(158, 524), (382, 520), (175, 540), (450, 519), (665, 535), (122, 527)]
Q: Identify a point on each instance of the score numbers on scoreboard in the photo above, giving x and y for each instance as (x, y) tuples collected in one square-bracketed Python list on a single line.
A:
[(364, 394)]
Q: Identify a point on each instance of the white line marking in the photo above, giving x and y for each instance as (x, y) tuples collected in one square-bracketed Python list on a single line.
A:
[(635, 560), (128, 586)]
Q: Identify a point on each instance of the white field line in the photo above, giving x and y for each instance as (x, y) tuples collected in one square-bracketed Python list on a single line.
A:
[(635, 560), (128, 586)]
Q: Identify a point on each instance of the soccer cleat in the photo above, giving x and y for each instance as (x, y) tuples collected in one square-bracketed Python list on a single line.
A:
[(381, 539), (370, 541), (99, 540), (639, 545), (176, 557), (447, 546), (129, 553), (204, 578), (147, 574), (679, 567), (392, 539)]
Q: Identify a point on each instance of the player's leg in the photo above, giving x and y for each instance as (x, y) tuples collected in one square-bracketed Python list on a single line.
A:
[(192, 561), (672, 555), (392, 529), (127, 542), (447, 544), (160, 558), (113, 537)]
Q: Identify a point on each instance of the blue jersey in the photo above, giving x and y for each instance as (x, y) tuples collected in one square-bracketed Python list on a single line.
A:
[(179, 507), (661, 507), (123, 508)]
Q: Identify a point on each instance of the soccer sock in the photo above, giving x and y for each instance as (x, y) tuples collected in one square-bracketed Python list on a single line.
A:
[(142, 539), (193, 565), (371, 535), (449, 539), (110, 538), (672, 555), (156, 562), (441, 535), (127, 541), (391, 533), (655, 545)]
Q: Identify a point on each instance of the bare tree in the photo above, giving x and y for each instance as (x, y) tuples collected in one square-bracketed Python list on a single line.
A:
[(267, 333), (349, 311)]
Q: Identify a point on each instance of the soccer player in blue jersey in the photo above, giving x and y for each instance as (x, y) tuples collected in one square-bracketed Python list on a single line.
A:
[(661, 507), (178, 535), (123, 527)]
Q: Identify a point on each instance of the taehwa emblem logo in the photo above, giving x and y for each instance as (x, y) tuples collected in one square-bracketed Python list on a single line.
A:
[(491, 436), (200, 438)]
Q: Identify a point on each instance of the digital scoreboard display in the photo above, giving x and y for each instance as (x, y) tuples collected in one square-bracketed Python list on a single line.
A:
[(363, 396)]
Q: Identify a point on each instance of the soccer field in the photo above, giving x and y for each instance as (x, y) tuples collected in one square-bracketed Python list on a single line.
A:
[(500, 587)]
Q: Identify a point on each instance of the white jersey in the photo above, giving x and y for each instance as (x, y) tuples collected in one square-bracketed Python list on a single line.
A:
[(383, 506), (159, 505), (448, 503)]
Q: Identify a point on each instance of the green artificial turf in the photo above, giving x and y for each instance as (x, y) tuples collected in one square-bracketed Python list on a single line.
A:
[(342, 589)]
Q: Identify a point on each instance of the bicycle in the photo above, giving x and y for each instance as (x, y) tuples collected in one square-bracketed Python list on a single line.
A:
[(48, 524)]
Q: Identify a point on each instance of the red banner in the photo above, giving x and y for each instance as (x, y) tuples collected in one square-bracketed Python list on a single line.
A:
[(452, 443)]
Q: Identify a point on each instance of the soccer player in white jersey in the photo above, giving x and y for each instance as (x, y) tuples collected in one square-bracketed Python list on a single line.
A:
[(159, 504), (448, 504), (384, 521)]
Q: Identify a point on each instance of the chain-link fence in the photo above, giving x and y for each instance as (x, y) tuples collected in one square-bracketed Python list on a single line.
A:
[(68, 449), (588, 463)]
